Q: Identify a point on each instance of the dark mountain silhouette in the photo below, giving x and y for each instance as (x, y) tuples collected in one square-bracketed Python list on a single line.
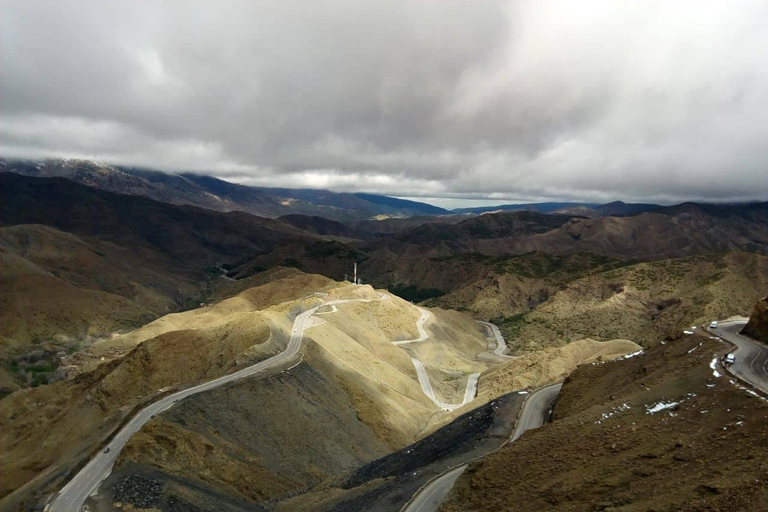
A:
[(216, 194), (194, 237)]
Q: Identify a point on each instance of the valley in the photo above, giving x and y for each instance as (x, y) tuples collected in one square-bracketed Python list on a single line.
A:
[(169, 357)]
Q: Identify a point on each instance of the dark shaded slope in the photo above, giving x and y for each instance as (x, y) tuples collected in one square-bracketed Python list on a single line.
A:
[(322, 226), (622, 209), (215, 194), (193, 237), (410, 207), (490, 226), (757, 327)]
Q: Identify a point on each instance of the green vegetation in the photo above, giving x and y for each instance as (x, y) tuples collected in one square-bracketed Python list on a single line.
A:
[(557, 268), (510, 326), (413, 293), (39, 366)]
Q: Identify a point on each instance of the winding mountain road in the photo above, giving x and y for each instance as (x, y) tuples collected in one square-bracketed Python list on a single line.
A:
[(420, 326), (751, 363), (501, 345), (426, 387), (72, 497), (533, 414), (421, 372)]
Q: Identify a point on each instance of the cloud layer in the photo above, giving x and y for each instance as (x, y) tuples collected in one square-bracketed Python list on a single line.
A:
[(525, 100)]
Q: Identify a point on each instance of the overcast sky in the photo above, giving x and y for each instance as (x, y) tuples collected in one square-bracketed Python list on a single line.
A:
[(506, 101)]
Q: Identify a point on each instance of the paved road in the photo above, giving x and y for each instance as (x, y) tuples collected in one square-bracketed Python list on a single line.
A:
[(533, 414), (426, 387), (751, 356), (430, 497), (536, 410), (420, 326), (74, 494), (501, 345), (471, 391)]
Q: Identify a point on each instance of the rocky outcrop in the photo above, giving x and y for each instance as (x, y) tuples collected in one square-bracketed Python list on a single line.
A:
[(757, 327)]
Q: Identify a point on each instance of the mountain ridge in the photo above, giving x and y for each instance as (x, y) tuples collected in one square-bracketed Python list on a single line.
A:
[(216, 194)]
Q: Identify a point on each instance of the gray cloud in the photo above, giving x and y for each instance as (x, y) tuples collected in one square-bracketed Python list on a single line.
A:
[(595, 100)]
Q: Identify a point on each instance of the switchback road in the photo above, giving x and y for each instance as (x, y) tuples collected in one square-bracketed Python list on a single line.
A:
[(501, 345), (72, 497), (426, 387), (419, 326), (534, 414)]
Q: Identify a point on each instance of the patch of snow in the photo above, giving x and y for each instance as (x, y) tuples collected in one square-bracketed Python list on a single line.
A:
[(694, 348), (713, 365), (749, 391), (606, 415), (633, 354), (688, 332), (522, 392), (660, 406)]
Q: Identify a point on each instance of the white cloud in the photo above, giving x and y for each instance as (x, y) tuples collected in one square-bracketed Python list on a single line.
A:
[(595, 100)]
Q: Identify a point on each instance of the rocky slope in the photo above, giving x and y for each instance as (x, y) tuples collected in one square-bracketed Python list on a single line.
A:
[(757, 327), (659, 431)]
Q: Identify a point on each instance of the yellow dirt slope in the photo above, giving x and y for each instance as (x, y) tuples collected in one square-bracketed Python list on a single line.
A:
[(547, 366), (237, 309)]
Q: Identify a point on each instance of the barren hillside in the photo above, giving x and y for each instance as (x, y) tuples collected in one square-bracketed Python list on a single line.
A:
[(660, 431), (543, 300), (72, 416)]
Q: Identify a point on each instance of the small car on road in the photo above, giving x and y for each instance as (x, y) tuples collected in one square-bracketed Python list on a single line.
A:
[(713, 325), (730, 359), (106, 450)]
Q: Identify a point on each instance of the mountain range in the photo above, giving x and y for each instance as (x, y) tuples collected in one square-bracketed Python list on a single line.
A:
[(120, 286), (215, 194)]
